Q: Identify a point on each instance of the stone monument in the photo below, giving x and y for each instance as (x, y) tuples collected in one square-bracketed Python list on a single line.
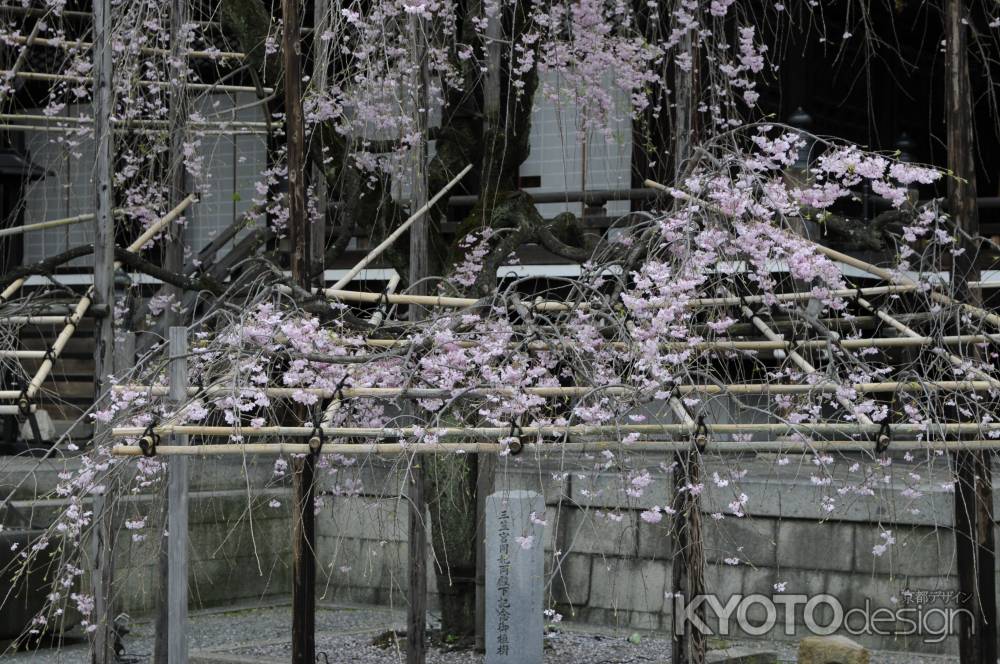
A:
[(514, 577)]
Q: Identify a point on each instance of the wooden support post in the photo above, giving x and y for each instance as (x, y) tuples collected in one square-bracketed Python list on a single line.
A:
[(177, 511), (974, 538), (321, 63), (173, 249), (689, 643), (304, 467), (496, 119), (416, 619), (103, 293)]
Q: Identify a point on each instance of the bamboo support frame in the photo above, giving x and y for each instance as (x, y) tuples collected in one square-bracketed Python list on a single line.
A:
[(647, 446), (803, 364), (874, 270), (81, 308), (955, 360), (386, 243), (212, 87)]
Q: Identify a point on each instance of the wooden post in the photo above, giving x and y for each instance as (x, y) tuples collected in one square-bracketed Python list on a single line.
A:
[(304, 467), (177, 515), (173, 257), (321, 63), (974, 538), (689, 643), (103, 293), (688, 571), (416, 622), (486, 464)]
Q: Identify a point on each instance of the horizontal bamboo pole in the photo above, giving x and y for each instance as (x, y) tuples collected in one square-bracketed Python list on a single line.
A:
[(648, 446), (564, 392), (23, 355), (778, 428), (38, 76), (377, 251), (62, 119), (240, 131), (33, 320), (550, 305), (67, 221), (77, 44), (14, 410)]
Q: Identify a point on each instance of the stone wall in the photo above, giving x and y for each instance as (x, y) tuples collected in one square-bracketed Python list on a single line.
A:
[(614, 570), (617, 570), (239, 545)]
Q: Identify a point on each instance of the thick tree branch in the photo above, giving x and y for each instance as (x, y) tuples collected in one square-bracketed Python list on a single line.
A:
[(48, 265)]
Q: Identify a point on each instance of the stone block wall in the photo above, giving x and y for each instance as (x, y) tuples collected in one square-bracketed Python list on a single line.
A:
[(614, 568)]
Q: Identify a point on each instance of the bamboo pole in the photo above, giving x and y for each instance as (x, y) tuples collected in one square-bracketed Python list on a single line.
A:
[(240, 131), (386, 243), (719, 346), (713, 447), (22, 355), (68, 45), (67, 221), (779, 428), (549, 305), (211, 87), (567, 391), (30, 320), (61, 119)]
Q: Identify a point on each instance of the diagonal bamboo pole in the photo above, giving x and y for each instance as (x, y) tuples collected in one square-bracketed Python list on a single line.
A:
[(386, 243)]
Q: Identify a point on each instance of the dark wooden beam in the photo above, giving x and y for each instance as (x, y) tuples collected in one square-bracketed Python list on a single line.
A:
[(974, 539)]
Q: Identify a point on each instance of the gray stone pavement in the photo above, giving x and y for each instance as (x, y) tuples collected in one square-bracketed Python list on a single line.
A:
[(260, 635)]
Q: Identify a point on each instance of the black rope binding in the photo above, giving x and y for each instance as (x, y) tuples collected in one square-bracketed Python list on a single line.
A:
[(149, 441), (515, 446), (701, 435), (316, 440), (884, 438), (338, 391), (24, 403), (382, 305)]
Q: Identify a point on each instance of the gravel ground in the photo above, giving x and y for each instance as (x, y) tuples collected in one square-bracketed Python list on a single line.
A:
[(260, 635)]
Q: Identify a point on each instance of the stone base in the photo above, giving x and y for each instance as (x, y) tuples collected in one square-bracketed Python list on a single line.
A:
[(831, 650)]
